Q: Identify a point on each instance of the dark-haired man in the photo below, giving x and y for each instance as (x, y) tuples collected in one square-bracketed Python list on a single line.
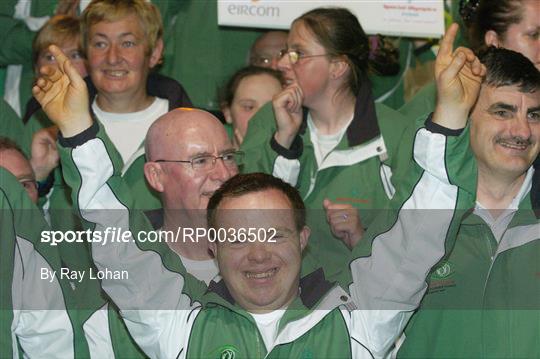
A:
[(160, 302), (484, 298)]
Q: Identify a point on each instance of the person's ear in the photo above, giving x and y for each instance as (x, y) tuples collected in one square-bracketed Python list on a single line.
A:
[(339, 67), (227, 113), (157, 53), (154, 175), (304, 237), (492, 39)]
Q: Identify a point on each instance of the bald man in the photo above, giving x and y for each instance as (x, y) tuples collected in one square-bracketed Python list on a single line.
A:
[(265, 51), (189, 156)]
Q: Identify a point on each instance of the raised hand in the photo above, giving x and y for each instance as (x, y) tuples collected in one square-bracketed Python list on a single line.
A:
[(63, 95), (44, 153), (288, 112), (344, 221), (459, 75)]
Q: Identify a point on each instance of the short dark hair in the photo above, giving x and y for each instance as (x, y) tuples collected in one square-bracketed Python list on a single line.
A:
[(7, 143), (481, 16), (242, 184), (509, 68), (226, 95)]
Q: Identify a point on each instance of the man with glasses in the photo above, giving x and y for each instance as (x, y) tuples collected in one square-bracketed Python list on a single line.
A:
[(267, 49), (189, 156), (13, 159), (261, 308)]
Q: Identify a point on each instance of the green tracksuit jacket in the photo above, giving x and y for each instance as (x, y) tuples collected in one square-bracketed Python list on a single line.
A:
[(35, 321), (484, 298), (12, 127), (51, 315), (171, 316), (360, 171)]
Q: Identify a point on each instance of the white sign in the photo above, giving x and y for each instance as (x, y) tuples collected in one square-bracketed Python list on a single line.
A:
[(414, 18)]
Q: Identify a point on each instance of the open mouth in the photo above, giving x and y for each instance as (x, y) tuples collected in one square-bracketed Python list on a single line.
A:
[(115, 73), (262, 275), (514, 145)]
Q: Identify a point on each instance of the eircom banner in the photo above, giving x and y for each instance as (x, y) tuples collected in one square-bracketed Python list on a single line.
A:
[(412, 18)]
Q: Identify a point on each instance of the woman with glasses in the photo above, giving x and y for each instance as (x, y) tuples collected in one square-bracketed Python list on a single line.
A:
[(324, 134)]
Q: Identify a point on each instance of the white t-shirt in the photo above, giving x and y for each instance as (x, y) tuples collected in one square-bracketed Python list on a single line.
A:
[(268, 326), (323, 144), (202, 270), (499, 225), (128, 130)]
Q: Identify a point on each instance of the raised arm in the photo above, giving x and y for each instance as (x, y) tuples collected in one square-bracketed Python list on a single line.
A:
[(402, 246), (154, 293), (458, 75)]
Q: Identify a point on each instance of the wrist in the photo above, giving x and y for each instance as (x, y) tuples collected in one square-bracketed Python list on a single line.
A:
[(72, 128), (284, 139), (451, 117)]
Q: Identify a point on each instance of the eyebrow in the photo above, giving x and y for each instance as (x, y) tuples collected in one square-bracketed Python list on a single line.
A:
[(228, 150), (504, 106), (124, 34)]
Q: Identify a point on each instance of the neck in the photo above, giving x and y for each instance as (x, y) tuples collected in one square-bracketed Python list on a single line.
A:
[(124, 103), (189, 246), (495, 191), (333, 113)]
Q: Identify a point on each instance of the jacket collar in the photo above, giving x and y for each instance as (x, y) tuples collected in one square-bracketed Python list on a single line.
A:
[(364, 126), (156, 85), (313, 288)]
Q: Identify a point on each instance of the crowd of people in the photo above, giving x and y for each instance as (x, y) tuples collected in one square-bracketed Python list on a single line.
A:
[(173, 189)]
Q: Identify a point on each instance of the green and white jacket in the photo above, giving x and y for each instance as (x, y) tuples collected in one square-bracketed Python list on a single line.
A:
[(362, 171), (171, 315), (34, 320), (484, 297)]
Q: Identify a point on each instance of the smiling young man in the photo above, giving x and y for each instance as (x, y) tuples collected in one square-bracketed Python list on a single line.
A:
[(170, 315)]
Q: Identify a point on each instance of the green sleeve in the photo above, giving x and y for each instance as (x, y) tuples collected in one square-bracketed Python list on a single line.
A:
[(11, 126), (259, 155), (118, 194)]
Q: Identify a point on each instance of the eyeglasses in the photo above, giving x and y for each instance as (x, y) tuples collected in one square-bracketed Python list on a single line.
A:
[(295, 56), (208, 162)]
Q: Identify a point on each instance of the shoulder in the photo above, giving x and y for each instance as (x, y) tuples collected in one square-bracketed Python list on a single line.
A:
[(391, 123)]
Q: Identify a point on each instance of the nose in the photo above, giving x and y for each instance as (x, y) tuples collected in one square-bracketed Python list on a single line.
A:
[(275, 62), (521, 128), (221, 173), (113, 55), (258, 252), (284, 63)]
